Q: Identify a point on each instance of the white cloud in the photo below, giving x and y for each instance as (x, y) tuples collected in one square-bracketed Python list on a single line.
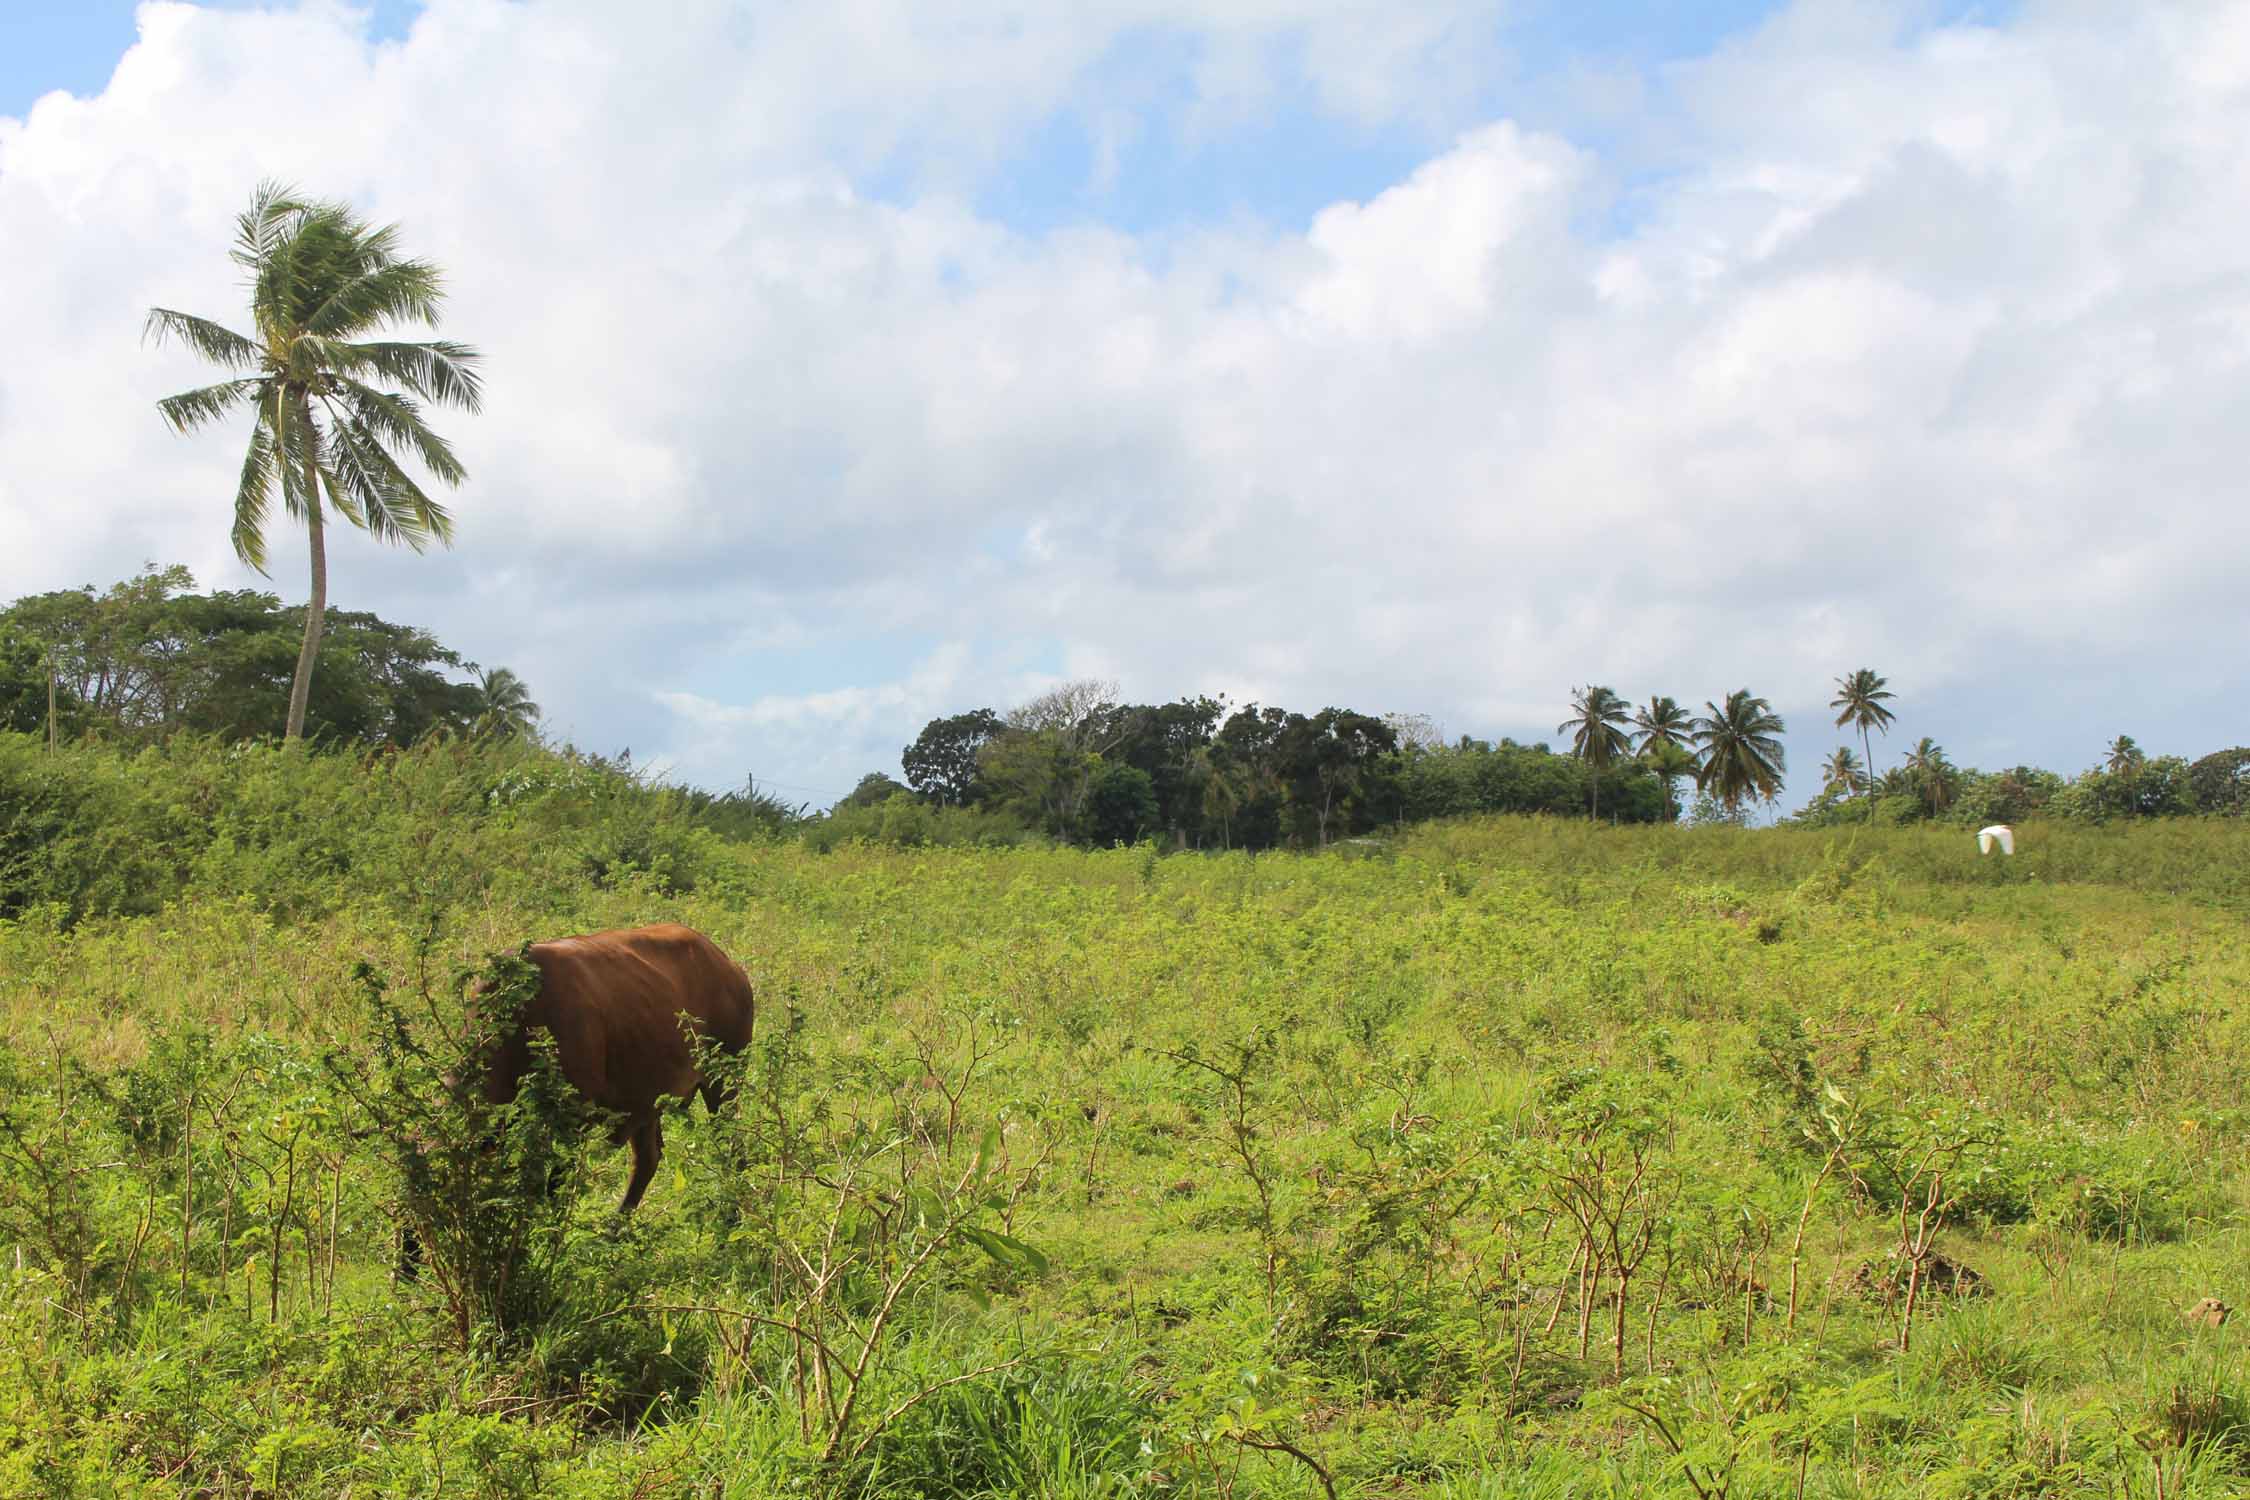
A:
[(1927, 351)]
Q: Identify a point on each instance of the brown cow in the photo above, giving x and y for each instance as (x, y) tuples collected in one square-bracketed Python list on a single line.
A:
[(614, 1002)]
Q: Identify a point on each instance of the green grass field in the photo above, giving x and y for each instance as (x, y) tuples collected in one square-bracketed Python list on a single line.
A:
[(1503, 1159)]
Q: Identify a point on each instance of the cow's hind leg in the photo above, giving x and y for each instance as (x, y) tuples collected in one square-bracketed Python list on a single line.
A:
[(648, 1148)]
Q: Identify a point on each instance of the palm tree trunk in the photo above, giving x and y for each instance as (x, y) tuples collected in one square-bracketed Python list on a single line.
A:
[(316, 610), (1867, 753)]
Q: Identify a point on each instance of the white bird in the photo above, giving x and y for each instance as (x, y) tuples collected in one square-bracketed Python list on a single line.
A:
[(1998, 833)]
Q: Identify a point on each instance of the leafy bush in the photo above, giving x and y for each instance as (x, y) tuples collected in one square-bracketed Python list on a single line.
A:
[(485, 1190), (907, 823)]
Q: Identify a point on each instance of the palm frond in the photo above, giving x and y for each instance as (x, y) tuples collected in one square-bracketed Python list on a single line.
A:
[(262, 228), (439, 371), (353, 492), (312, 357), (298, 438), (319, 247), (192, 409), (397, 509), (220, 345), (374, 508), (382, 291), (253, 496), (341, 499), (398, 420)]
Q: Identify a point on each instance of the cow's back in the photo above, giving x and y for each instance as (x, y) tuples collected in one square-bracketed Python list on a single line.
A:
[(613, 1002)]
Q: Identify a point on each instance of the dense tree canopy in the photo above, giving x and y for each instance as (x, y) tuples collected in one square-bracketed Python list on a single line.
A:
[(874, 790), (1077, 764), (148, 657), (941, 764), (2220, 782)]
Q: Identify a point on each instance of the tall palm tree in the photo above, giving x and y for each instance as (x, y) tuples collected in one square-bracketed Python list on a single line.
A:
[(1663, 735), (321, 280), (1596, 727), (1842, 770), (1861, 697), (1741, 754), (508, 710), (1933, 775), (2125, 756)]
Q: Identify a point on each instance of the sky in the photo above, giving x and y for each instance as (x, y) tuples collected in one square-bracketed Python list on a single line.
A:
[(856, 364)]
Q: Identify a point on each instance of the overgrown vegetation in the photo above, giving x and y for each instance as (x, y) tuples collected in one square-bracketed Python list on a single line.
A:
[(1512, 1157)]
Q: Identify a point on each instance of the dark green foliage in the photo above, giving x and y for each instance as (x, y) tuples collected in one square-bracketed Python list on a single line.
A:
[(941, 764), (1929, 776), (1165, 744), (873, 790), (1327, 762), (1120, 805), (148, 658), (24, 681), (2220, 782), (1260, 777), (87, 832), (1474, 777)]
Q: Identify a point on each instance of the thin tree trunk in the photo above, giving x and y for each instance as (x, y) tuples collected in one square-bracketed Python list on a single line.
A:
[(316, 610), (51, 736), (1867, 753)]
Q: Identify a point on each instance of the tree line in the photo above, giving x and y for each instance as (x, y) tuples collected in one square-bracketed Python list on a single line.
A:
[(149, 657), (1926, 786), (1079, 764)]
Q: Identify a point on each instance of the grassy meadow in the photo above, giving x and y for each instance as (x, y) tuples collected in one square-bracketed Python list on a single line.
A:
[(1496, 1159)]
